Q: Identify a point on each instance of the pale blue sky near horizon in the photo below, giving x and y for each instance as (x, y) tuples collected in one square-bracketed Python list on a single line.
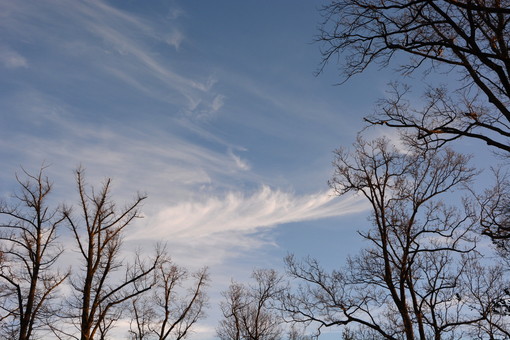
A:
[(212, 108)]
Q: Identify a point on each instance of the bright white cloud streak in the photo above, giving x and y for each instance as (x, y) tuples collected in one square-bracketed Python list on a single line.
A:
[(230, 218)]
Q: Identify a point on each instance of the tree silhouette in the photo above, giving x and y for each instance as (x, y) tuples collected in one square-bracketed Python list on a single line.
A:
[(28, 251), (173, 305), (99, 292), (471, 36), (247, 313), (420, 275)]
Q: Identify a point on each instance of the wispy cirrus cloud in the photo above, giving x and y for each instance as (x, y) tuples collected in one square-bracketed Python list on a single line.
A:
[(122, 152), (242, 164), (175, 38), (118, 36), (11, 59), (230, 221), (217, 102), (114, 45)]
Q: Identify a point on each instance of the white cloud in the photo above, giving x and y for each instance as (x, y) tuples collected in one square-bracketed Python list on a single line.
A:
[(137, 57), (175, 13), (204, 107), (242, 164), (230, 218), (174, 39), (12, 59), (168, 167), (115, 41), (217, 102)]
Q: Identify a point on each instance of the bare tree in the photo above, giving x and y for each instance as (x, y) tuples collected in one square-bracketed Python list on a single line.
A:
[(100, 288), (247, 312), (494, 212), (472, 36), (29, 249), (412, 281), (486, 292), (175, 303)]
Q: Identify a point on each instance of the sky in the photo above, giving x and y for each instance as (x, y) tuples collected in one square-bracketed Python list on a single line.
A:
[(211, 108)]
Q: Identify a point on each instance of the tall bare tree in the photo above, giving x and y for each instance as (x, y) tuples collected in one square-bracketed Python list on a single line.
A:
[(173, 306), (247, 312), (29, 249), (471, 36), (415, 279), (100, 288)]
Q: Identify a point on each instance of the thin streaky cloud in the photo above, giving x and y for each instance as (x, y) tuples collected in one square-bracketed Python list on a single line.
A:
[(175, 39), (217, 102), (109, 39), (96, 8), (113, 12), (242, 164), (237, 212), (12, 59), (125, 45), (195, 91)]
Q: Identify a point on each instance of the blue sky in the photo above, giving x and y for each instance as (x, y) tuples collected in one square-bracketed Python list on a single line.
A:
[(210, 107)]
